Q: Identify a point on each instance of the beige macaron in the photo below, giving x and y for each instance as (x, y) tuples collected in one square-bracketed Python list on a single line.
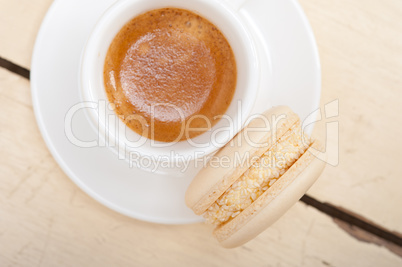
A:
[(255, 178)]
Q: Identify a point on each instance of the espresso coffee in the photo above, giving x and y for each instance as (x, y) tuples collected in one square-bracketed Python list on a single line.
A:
[(170, 74)]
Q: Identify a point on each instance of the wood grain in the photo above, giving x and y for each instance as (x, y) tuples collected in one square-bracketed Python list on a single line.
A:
[(19, 24), (361, 54), (45, 220)]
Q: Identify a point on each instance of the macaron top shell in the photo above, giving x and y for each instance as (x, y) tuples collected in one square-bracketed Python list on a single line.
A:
[(255, 139)]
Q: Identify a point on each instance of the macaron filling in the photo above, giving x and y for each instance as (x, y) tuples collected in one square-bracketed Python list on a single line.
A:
[(259, 177)]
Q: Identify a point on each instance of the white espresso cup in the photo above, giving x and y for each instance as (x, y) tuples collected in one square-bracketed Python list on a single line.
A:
[(119, 137)]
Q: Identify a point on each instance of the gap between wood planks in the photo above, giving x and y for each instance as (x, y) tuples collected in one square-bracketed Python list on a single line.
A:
[(341, 216), (4, 63), (359, 227)]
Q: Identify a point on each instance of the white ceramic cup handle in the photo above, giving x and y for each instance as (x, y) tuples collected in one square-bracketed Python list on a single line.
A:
[(235, 4)]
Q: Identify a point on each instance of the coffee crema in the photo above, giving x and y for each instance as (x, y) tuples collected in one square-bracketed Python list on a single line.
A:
[(170, 74)]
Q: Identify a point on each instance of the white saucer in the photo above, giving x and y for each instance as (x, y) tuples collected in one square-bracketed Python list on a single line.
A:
[(290, 61)]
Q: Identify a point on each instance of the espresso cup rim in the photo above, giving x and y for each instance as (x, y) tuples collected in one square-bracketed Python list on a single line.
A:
[(90, 56)]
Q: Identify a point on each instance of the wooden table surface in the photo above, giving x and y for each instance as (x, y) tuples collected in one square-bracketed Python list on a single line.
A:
[(351, 217)]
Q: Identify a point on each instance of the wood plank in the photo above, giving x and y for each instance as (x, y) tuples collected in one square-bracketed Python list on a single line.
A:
[(19, 24), (45, 220), (361, 54), (42, 213)]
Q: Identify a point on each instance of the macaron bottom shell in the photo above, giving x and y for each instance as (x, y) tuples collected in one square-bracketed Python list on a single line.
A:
[(271, 205)]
